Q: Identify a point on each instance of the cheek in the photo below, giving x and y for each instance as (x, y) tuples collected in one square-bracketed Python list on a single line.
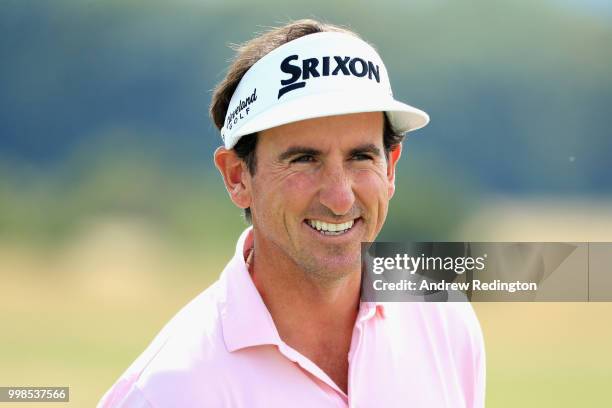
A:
[(292, 192), (372, 188), (373, 185), (299, 184)]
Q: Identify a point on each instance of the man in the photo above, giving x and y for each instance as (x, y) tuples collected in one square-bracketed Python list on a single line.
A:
[(312, 136)]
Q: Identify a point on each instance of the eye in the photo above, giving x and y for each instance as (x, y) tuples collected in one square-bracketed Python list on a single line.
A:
[(362, 156), (304, 158)]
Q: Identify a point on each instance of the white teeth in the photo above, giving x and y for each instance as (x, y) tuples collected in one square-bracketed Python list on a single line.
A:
[(328, 228)]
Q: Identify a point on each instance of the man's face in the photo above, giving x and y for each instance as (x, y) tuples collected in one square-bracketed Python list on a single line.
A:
[(322, 186)]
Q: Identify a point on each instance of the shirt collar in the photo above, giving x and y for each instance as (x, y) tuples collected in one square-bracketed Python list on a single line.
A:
[(370, 309), (245, 319)]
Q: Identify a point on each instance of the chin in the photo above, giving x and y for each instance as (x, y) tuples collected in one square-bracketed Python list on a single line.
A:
[(336, 266)]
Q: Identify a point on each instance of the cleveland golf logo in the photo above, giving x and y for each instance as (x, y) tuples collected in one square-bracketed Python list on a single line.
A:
[(237, 113), (315, 67)]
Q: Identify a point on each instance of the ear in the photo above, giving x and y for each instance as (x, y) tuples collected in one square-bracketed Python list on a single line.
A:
[(394, 156), (235, 175)]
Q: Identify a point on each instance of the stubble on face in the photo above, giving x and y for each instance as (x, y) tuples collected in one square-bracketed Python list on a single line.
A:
[(329, 182)]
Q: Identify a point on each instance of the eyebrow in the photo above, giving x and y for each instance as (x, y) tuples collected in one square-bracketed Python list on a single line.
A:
[(296, 150), (366, 148)]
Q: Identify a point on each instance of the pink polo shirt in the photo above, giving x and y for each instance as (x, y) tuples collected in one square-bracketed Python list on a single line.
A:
[(223, 350)]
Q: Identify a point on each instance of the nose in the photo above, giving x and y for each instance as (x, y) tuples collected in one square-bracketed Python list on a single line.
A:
[(336, 189)]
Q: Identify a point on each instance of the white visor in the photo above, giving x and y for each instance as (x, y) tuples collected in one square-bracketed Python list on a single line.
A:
[(322, 74)]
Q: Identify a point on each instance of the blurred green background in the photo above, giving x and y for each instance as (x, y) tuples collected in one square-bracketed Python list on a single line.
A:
[(112, 215)]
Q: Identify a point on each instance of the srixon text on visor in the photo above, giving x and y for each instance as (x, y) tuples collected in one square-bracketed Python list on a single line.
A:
[(324, 66)]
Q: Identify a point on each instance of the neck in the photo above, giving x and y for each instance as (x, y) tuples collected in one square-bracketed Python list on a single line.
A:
[(303, 303), (313, 313)]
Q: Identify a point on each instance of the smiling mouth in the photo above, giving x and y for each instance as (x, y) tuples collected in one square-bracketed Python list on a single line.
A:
[(328, 228)]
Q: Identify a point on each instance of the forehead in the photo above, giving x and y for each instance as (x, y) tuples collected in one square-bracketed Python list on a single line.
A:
[(340, 130)]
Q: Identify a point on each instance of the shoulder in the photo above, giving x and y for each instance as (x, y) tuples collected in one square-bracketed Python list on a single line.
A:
[(451, 335), (467, 348), (460, 323), (189, 348), (457, 317), (450, 325)]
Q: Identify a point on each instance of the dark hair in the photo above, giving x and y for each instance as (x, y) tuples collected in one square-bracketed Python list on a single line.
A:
[(247, 55)]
